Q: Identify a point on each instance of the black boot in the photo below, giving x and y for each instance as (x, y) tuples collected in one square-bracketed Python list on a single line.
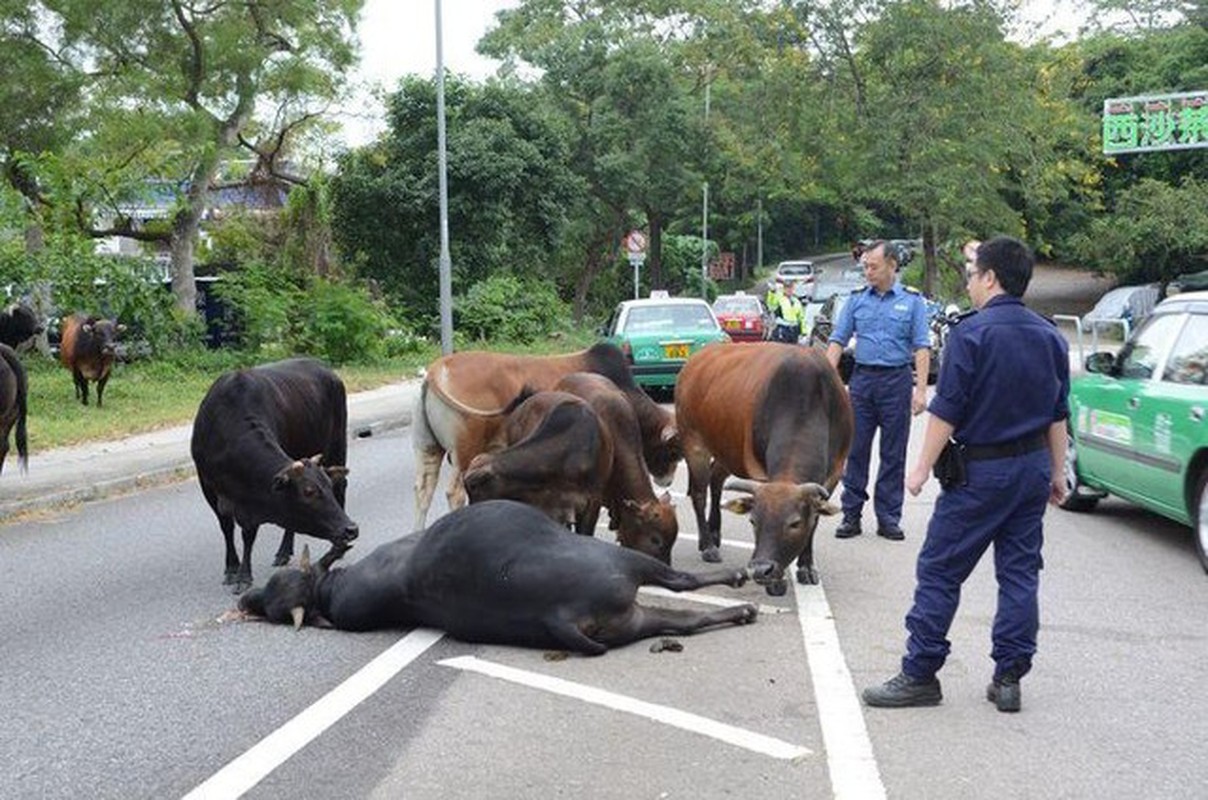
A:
[(902, 691), (848, 528), (1004, 693)]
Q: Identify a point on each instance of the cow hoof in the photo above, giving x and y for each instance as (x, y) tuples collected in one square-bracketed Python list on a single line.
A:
[(711, 554), (749, 613), (739, 578), (777, 588), (807, 576)]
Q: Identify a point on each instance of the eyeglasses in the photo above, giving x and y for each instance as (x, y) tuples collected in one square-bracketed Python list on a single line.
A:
[(971, 273)]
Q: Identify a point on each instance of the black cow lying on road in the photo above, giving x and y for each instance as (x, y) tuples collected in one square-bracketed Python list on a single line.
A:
[(497, 572), (269, 444)]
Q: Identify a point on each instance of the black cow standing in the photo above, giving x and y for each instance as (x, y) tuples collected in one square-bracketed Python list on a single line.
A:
[(270, 444), (13, 397), (18, 324), (497, 572)]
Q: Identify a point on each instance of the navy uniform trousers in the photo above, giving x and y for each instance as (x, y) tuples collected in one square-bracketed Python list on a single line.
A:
[(879, 399), (1002, 504)]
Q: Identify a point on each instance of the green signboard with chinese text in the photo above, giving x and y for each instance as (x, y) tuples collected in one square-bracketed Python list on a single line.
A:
[(1155, 123)]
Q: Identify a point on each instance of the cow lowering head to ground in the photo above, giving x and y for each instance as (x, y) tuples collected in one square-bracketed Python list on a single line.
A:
[(14, 390), (497, 572), (780, 420), (463, 402), (644, 522), (558, 458), (88, 348), (18, 324), (270, 445)]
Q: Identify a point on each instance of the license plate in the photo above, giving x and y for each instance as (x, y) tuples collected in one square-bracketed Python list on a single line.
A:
[(675, 350), (734, 324)]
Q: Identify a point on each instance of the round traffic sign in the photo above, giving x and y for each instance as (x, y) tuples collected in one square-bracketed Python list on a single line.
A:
[(635, 242)]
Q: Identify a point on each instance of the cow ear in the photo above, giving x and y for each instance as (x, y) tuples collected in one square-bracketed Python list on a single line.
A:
[(338, 475), (740, 505), (281, 479), (86, 328)]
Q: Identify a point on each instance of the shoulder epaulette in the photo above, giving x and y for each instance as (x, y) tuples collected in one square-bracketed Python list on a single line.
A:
[(955, 319), (912, 290), (859, 289)]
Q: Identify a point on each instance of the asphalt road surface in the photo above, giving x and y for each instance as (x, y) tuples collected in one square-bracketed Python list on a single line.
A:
[(121, 677)]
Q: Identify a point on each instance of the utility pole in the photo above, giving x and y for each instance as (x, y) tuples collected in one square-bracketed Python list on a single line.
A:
[(446, 268)]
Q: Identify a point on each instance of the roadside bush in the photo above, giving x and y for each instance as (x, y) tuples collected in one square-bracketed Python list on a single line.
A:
[(339, 323), (504, 307), (259, 301)]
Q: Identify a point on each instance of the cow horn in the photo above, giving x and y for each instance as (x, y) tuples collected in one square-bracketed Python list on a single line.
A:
[(299, 614), (316, 459), (669, 433), (815, 490), (741, 485), (304, 564)]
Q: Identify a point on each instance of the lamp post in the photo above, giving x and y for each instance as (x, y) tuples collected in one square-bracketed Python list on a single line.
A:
[(446, 269), (704, 224)]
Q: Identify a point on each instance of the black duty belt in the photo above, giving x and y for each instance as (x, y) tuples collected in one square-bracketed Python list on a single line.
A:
[(985, 452), (880, 367)]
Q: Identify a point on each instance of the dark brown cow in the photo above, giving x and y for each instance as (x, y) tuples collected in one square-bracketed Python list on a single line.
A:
[(498, 572), (464, 397), (645, 522), (778, 418), (13, 396), (269, 444), (87, 348), (558, 459)]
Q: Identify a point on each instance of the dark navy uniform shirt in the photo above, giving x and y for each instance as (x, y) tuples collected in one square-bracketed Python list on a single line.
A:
[(1005, 375), (888, 327)]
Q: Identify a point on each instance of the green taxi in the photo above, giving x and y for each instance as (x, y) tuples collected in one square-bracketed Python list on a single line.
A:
[(658, 334), (1137, 426)]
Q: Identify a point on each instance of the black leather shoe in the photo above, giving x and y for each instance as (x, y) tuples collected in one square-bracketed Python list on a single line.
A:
[(847, 529), (902, 691), (1004, 693), (891, 532)]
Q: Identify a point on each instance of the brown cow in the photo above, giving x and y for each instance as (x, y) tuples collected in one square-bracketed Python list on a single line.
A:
[(13, 393), (645, 522), (464, 398), (558, 458), (87, 348), (778, 418)]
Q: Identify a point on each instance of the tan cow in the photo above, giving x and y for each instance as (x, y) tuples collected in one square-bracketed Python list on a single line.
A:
[(465, 396), (777, 416)]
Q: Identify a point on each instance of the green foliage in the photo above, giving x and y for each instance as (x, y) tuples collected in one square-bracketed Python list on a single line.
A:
[(1156, 232), (260, 302), (506, 308), (339, 323)]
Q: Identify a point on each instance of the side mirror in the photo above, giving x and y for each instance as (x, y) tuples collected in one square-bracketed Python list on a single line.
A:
[(1101, 363)]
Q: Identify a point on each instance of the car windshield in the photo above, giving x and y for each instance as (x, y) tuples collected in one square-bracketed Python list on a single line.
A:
[(794, 269), (736, 305), (671, 317)]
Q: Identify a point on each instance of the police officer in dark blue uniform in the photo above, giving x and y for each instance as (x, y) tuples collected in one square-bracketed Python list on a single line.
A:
[(889, 322), (997, 430)]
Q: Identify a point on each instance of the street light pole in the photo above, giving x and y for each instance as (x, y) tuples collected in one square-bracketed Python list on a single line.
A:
[(704, 225), (446, 268)]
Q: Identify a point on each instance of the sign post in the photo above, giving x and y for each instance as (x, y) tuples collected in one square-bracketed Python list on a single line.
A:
[(635, 246)]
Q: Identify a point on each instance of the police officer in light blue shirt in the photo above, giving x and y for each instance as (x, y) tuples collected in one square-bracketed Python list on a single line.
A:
[(1002, 400), (889, 322)]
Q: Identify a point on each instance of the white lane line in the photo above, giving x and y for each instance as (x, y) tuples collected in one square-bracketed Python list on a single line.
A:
[(273, 750), (711, 600), (755, 742), (849, 757)]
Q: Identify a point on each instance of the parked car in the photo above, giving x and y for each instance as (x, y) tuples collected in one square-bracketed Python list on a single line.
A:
[(743, 317), (798, 273), (658, 334), (830, 280), (1137, 419), (1124, 304)]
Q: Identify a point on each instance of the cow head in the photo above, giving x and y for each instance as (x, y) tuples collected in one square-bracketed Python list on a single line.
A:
[(289, 596), (784, 516), (481, 479), (304, 492), (104, 333), (664, 455), (649, 527)]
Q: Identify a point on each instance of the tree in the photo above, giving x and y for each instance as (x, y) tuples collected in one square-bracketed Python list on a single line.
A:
[(510, 190), (173, 91)]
